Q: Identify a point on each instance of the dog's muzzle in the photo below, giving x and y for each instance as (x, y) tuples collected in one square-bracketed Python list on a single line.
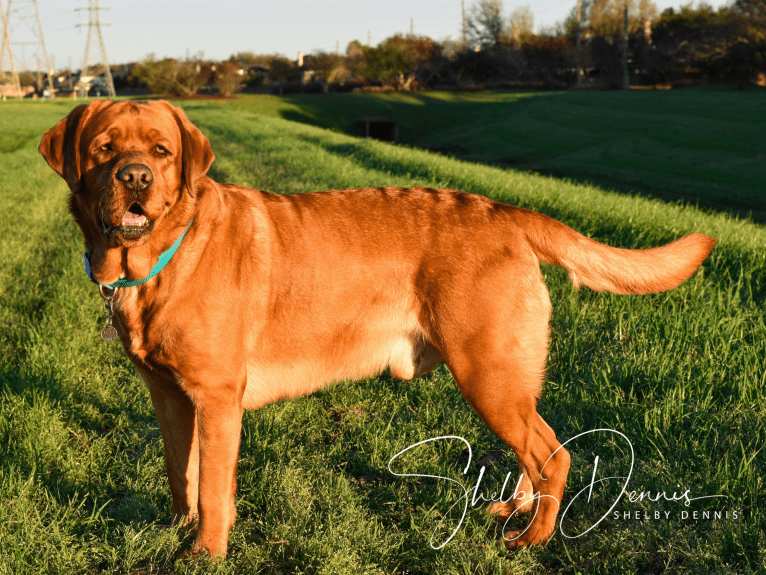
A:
[(134, 178)]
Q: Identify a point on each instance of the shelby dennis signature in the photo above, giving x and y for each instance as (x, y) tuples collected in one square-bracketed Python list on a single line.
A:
[(474, 495)]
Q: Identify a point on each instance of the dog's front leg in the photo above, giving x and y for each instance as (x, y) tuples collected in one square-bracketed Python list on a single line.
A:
[(219, 417), (178, 423)]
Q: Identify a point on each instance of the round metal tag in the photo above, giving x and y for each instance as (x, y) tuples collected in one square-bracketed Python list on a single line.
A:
[(109, 333)]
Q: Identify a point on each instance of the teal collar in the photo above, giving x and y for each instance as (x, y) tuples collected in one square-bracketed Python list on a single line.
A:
[(123, 282)]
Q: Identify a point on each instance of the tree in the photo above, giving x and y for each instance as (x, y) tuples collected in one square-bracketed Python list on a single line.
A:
[(747, 58), (249, 58), (545, 55), (355, 57), (752, 15), (396, 60), (170, 77), (227, 78), (484, 23), (522, 22), (281, 70), (606, 16), (569, 25), (699, 38), (27, 79), (330, 68)]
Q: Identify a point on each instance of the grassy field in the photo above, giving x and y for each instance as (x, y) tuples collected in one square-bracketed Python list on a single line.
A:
[(704, 146), (681, 375)]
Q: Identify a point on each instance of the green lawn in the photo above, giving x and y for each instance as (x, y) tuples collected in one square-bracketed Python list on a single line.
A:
[(681, 375), (704, 146)]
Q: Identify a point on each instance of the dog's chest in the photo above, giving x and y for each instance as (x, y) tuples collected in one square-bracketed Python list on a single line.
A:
[(139, 328)]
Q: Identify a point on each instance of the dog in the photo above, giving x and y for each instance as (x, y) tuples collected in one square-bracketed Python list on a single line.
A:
[(267, 297)]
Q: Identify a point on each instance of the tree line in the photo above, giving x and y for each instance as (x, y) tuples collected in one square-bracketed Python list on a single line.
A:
[(691, 44)]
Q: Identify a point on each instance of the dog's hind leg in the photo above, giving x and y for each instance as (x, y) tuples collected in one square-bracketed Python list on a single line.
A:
[(499, 365), (500, 397)]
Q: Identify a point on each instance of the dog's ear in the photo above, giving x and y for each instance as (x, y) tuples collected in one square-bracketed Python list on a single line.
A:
[(60, 146), (197, 154)]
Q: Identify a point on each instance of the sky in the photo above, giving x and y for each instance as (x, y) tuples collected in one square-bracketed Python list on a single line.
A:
[(217, 29)]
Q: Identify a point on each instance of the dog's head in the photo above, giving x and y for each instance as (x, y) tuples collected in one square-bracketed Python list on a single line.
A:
[(133, 169)]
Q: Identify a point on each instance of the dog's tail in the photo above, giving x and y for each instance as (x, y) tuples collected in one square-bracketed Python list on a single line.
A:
[(617, 270)]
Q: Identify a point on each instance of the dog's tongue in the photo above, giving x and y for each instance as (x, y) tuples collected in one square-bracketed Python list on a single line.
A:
[(131, 219)]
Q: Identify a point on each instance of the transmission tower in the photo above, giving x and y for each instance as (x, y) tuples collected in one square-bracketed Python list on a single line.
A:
[(23, 20), (95, 23), (8, 72)]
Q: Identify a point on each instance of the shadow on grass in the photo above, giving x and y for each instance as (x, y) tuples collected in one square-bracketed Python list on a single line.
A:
[(685, 146)]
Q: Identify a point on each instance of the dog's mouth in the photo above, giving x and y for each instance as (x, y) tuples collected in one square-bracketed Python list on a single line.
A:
[(133, 225)]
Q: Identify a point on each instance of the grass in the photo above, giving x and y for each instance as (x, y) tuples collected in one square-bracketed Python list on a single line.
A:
[(702, 146), (681, 374)]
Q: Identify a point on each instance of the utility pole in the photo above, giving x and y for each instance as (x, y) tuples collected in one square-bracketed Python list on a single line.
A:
[(94, 22), (578, 84), (412, 27), (369, 38), (625, 81), (24, 13)]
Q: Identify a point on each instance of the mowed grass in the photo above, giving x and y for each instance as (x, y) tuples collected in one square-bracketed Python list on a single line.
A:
[(703, 146), (681, 375)]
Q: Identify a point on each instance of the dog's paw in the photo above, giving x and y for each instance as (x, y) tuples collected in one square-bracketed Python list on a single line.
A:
[(198, 552), (514, 508), (530, 536), (185, 518)]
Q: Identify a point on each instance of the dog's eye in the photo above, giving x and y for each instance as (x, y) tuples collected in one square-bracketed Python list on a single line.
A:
[(161, 151), (105, 148)]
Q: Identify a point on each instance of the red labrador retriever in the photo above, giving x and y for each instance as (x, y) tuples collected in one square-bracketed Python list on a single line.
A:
[(227, 298)]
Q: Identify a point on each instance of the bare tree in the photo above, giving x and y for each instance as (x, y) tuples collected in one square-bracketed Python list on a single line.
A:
[(522, 23)]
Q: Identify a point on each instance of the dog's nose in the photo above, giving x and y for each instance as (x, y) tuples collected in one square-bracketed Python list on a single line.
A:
[(136, 177)]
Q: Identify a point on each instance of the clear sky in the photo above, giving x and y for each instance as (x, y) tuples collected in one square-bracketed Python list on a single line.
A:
[(218, 29)]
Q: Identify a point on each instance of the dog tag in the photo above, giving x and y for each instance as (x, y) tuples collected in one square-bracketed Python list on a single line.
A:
[(108, 334)]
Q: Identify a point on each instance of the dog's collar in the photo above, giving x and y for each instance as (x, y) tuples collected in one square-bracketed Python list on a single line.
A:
[(123, 282)]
